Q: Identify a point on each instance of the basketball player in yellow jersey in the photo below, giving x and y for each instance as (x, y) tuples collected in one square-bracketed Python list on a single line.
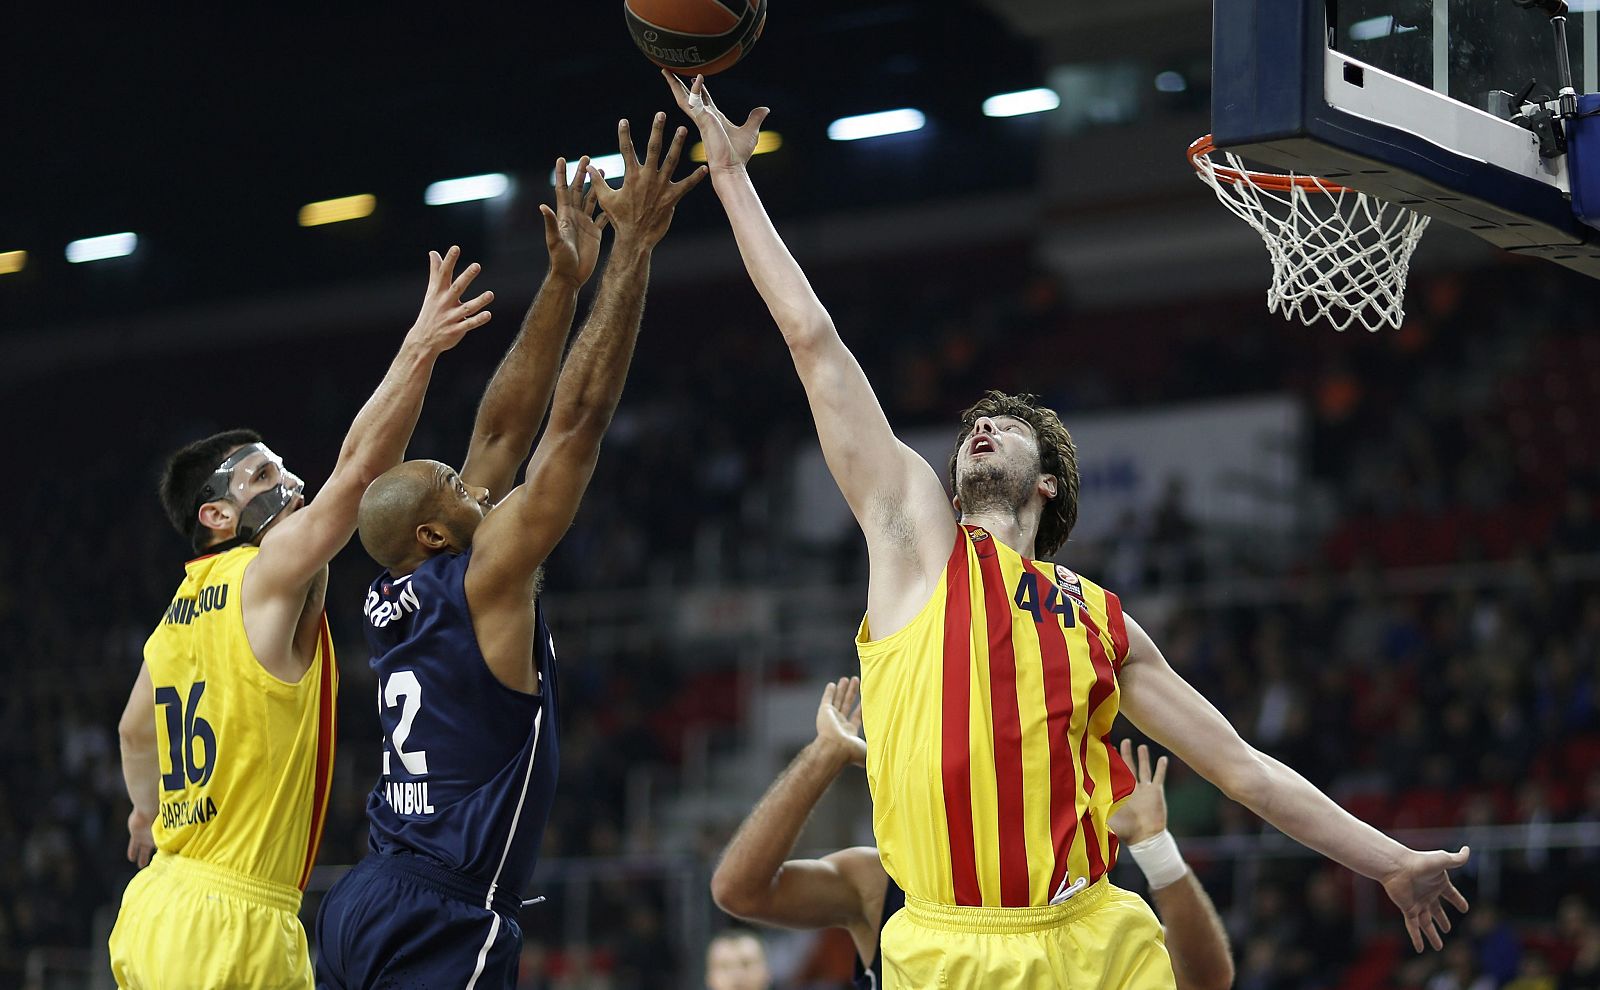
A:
[(991, 677), (227, 738)]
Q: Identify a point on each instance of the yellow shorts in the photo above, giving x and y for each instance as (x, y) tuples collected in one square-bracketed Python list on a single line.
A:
[(1102, 939), (189, 924)]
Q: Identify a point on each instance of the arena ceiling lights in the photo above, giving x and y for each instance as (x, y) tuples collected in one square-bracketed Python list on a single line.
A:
[(1021, 102), (13, 261), (871, 125), (337, 210), (467, 189), (102, 247)]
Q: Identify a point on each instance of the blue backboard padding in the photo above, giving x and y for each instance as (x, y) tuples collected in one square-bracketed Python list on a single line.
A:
[(1583, 160), (1259, 69), (1269, 105)]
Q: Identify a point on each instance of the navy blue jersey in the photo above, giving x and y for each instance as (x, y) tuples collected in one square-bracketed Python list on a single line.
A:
[(469, 765)]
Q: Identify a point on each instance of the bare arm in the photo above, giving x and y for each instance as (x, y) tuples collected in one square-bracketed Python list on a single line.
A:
[(1174, 714), (521, 531), (141, 769), (756, 881), (295, 551), (895, 495), (516, 398), (1196, 939)]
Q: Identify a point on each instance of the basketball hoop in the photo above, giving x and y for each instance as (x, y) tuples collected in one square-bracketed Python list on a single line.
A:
[(1337, 254)]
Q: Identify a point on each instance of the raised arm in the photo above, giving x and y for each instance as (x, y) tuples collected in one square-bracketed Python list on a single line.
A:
[(296, 549), (141, 771), (515, 401), (755, 879), (895, 495), (1174, 714), (521, 531), (1196, 939)]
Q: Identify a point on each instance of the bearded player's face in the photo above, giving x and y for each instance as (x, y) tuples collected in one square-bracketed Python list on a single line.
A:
[(998, 459)]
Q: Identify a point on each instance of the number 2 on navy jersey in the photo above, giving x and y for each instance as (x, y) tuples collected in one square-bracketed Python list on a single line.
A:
[(405, 690)]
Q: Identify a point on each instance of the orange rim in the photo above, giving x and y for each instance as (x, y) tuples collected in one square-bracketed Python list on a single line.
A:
[(1272, 181)]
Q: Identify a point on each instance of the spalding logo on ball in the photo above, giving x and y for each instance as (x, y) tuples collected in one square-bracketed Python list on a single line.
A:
[(695, 36)]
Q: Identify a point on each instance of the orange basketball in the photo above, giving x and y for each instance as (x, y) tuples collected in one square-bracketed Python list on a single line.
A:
[(695, 36)]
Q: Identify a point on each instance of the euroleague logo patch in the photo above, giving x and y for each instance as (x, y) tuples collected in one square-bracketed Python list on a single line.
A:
[(1071, 585)]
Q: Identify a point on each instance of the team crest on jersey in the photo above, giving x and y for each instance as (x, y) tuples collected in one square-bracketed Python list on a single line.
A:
[(979, 534), (1070, 584)]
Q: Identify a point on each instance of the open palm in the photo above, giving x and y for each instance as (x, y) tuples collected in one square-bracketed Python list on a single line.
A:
[(571, 229), (1421, 887), (839, 719)]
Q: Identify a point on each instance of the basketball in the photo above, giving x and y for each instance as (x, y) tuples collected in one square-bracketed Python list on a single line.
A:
[(695, 36)]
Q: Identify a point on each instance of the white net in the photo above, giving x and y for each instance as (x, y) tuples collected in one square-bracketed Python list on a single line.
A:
[(1337, 254)]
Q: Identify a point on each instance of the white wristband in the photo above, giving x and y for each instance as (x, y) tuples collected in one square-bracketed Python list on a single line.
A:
[(1159, 859)]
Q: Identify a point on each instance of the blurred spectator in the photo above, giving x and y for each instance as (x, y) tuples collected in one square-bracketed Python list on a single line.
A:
[(735, 960)]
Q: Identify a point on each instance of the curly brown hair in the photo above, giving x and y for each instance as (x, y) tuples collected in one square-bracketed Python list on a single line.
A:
[(1058, 455)]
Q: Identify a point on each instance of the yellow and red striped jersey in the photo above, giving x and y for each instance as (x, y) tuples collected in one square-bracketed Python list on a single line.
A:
[(987, 722), (246, 759)]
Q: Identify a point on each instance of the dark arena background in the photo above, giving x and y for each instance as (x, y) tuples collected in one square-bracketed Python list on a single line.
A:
[(1377, 553)]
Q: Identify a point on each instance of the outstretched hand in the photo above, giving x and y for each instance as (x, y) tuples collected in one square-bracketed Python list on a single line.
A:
[(839, 721), (728, 148), (1144, 813), (642, 209), (445, 319), (571, 229), (1420, 887)]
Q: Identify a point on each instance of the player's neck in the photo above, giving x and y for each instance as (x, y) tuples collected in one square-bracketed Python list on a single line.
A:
[(1014, 531), (407, 567)]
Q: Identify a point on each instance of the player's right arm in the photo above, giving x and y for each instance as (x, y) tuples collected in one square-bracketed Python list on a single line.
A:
[(1195, 937), (756, 880), (282, 584), (894, 494), (141, 768)]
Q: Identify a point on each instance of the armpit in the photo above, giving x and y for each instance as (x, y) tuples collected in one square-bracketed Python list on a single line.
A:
[(891, 523)]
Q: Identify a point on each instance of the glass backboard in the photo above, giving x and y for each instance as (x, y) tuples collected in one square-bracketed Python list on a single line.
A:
[(1465, 49)]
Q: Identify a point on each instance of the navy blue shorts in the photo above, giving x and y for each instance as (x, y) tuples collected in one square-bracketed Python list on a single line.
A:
[(405, 921)]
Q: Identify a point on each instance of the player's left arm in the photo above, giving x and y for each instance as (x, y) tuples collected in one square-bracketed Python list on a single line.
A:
[(141, 767), (755, 878), (520, 532), (515, 401), (1196, 939), (1167, 709)]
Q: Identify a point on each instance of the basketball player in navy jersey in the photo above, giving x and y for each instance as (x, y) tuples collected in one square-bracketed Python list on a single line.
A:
[(467, 684), (849, 889)]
